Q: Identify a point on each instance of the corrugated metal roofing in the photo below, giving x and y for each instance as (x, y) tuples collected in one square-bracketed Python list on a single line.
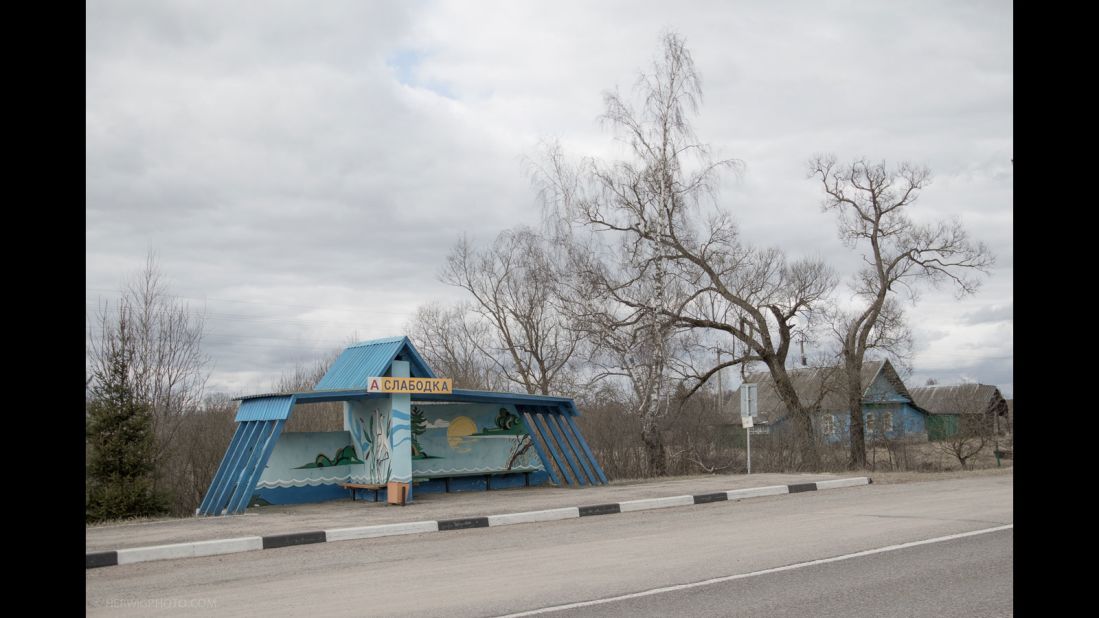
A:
[(260, 395), (958, 398), (372, 358), (275, 408)]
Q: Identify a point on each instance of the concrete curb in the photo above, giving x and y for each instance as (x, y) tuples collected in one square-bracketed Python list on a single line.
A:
[(274, 541)]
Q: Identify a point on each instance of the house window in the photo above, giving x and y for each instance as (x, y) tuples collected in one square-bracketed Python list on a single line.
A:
[(828, 425), (868, 422), (887, 421)]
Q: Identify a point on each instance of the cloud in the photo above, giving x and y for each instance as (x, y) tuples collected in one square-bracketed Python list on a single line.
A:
[(302, 171), (989, 313)]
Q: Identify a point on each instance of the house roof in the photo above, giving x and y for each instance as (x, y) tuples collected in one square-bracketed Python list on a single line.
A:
[(969, 398), (813, 384), (372, 358)]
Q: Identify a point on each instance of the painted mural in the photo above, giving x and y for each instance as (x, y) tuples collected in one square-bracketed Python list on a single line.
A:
[(343, 457), (368, 423), (457, 439), (446, 440), (308, 459)]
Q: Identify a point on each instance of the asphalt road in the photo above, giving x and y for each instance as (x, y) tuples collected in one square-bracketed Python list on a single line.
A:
[(511, 569), (970, 576)]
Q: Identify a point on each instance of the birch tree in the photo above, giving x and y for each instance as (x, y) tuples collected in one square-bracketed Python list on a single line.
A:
[(631, 343), (660, 201)]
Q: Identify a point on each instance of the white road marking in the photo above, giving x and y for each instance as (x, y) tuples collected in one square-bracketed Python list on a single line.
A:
[(728, 578)]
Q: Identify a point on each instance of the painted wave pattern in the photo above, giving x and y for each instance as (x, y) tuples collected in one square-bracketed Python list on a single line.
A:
[(364, 479), (301, 482), (520, 468)]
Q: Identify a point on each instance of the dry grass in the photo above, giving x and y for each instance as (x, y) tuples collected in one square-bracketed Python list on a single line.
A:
[(889, 478), (883, 477), (130, 520)]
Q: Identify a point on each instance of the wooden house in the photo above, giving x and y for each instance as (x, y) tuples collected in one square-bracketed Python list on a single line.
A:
[(887, 407)]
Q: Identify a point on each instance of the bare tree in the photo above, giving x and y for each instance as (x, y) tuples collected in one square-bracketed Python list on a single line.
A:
[(304, 376), (651, 203), (872, 203), (169, 368), (445, 337), (513, 288), (204, 438)]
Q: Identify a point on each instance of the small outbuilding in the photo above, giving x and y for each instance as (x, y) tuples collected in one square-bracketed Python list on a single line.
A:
[(405, 430), (957, 407)]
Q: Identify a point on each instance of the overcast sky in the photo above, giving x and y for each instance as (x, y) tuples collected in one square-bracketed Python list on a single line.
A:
[(302, 169)]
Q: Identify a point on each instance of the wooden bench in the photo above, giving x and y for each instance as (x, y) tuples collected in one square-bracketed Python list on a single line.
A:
[(354, 486)]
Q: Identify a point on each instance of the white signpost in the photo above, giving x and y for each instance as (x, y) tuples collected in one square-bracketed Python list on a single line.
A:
[(749, 399)]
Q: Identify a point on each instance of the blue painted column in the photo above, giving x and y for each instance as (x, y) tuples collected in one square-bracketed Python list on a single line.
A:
[(400, 440)]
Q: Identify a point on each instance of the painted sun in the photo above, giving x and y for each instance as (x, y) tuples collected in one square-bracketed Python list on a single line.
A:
[(459, 428)]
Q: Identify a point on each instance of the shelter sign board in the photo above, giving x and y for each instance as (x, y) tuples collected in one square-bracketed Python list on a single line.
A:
[(412, 386)]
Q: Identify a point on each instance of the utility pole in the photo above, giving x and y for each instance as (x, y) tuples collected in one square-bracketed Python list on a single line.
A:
[(748, 398)]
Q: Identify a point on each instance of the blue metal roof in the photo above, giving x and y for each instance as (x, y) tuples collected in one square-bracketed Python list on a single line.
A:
[(272, 408), (372, 358)]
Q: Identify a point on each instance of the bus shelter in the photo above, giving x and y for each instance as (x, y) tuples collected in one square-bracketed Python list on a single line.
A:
[(405, 430)]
